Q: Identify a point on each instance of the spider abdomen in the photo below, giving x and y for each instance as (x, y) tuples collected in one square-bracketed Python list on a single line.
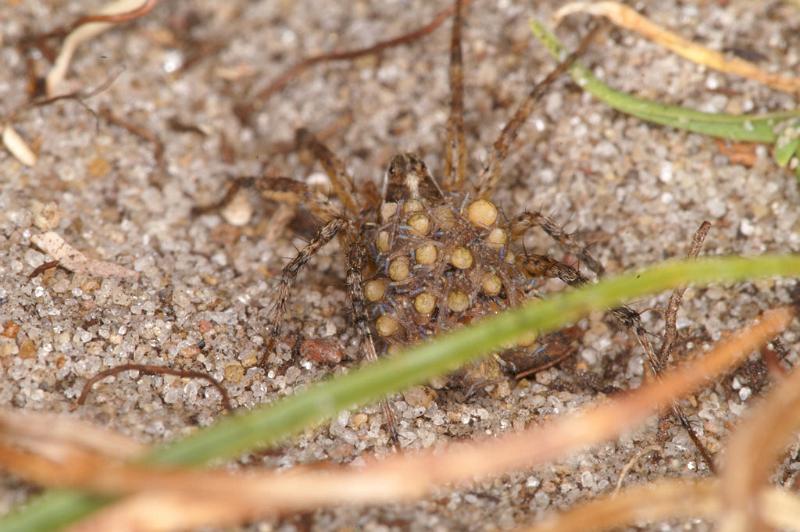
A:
[(437, 265)]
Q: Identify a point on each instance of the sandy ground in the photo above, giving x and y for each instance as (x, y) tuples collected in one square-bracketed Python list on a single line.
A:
[(636, 190)]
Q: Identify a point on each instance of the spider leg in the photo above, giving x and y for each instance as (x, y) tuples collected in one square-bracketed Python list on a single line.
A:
[(455, 148), (283, 190), (232, 188), (491, 173), (545, 266), (341, 180), (288, 275), (355, 263), (525, 221), (292, 192)]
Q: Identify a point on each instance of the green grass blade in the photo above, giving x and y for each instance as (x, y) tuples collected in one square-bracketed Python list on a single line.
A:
[(275, 422), (788, 143), (749, 128)]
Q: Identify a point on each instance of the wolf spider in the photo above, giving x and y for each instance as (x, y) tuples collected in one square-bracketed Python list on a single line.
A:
[(426, 256)]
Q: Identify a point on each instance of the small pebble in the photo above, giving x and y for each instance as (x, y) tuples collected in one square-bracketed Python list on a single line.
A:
[(234, 372), (27, 349), (419, 396)]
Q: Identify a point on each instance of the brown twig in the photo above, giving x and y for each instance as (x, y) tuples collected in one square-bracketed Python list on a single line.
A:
[(671, 314), (39, 40), (658, 362), (43, 267), (547, 365), (149, 369), (754, 450), (141, 132), (628, 18), (221, 497), (245, 109)]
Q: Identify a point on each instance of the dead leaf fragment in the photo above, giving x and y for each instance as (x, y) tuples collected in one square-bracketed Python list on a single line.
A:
[(18, 147), (86, 32), (743, 153), (75, 261)]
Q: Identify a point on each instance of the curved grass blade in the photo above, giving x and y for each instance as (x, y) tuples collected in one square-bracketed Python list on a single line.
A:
[(272, 423), (763, 128)]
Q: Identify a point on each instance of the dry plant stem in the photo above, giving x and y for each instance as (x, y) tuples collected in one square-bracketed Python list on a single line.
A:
[(88, 27), (229, 498), (547, 365), (632, 462), (668, 499), (633, 322), (18, 147), (149, 369), (754, 450), (26, 428), (77, 96), (626, 17), (117, 18), (491, 173), (294, 71), (142, 133), (455, 148), (73, 260), (80, 95), (671, 314), (658, 362), (663, 499), (543, 265)]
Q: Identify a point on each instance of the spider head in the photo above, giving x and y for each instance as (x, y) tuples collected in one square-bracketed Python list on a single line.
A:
[(408, 178)]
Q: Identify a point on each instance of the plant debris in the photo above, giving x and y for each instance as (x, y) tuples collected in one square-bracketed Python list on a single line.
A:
[(73, 260)]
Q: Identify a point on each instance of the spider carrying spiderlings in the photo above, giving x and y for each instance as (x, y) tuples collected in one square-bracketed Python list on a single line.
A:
[(431, 253)]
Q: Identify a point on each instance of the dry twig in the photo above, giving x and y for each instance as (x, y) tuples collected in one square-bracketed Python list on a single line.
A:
[(668, 499), (181, 499), (89, 27), (244, 111), (753, 451), (149, 369), (627, 18), (75, 261)]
